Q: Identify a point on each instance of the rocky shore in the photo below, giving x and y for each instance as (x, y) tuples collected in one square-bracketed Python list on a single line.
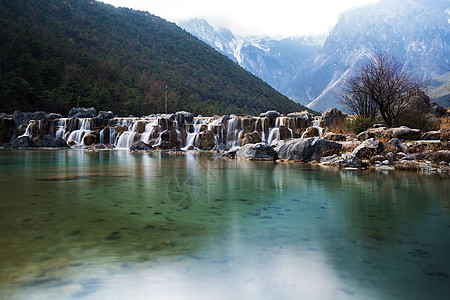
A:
[(298, 137)]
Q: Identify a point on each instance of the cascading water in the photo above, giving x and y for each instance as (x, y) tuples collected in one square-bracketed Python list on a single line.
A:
[(28, 130), (126, 139), (233, 132), (123, 132), (61, 128), (190, 137), (149, 128), (84, 128)]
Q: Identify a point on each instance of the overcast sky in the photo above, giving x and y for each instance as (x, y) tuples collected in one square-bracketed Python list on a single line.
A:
[(280, 18)]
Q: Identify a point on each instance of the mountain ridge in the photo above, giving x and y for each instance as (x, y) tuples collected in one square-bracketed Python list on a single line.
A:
[(60, 54), (414, 31)]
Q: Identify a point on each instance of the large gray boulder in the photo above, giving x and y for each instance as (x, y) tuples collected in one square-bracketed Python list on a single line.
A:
[(403, 133), (22, 142), (397, 145), (309, 149), (182, 116), (51, 142), (205, 140), (21, 118), (99, 120), (81, 112), (259, 151), (333, 116), (368, 149), (271, 115), (140, 146), (437, 110), (346, 160), (431, 135)]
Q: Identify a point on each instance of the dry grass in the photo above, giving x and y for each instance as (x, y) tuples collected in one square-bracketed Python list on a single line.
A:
[(445, 129)]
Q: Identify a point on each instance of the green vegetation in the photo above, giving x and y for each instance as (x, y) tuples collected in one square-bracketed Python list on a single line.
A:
[(359, 124), (57, 54)]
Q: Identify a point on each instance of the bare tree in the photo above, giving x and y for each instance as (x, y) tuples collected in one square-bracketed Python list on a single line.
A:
[(355, 100), (380, 84)]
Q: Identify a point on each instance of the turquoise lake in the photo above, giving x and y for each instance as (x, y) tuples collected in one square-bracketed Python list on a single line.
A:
[(116, 225)]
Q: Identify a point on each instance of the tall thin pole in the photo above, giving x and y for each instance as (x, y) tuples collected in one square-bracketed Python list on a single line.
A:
[(165, 102)]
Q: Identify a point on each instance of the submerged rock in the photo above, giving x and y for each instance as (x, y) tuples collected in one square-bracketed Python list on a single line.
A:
[(346, 160), (232, 152), (140, 146), (259, 151), (309, 149), (22, 142), (51, 142)]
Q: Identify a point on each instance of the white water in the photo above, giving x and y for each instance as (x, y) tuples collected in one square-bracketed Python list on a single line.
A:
[(190, 137), (149, 128), (316, 124), (84, 128), (233, 132), (61, 128), (28, 130)]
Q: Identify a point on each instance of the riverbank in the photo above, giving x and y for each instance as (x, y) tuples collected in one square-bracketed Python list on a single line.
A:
[(298, 137)]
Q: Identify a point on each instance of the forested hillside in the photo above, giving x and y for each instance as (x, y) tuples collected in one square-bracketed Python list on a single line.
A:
[(58, 54)]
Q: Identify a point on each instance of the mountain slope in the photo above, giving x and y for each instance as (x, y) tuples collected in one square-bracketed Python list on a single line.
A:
[(415, 31), (57, 54), (272, 60)]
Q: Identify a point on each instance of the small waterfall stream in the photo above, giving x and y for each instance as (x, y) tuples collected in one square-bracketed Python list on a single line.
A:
[(84, 128)]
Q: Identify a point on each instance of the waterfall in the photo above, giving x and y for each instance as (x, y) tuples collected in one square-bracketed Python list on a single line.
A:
[(274, 132), (263, 129), (84, 128), (28, 129), (316, 124), (190, 137), (233, 132), (126, 138), (149, 127), (61, 128)]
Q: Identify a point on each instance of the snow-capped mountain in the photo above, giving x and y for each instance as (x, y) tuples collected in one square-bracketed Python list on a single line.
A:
[(274, 61), (310, 70)]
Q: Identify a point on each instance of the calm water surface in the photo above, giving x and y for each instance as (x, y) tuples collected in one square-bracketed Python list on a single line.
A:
[(116, 225)]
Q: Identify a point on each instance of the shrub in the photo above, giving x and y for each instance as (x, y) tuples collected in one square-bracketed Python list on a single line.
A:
[(359, 124), (415, 119)]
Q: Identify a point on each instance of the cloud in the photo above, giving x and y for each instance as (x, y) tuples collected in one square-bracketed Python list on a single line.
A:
[(252, 17)]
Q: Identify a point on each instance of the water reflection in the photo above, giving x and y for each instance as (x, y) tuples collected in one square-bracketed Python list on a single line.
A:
[(111, 224)]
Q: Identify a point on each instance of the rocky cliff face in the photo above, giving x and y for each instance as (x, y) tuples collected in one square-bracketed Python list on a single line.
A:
[(309, 70)]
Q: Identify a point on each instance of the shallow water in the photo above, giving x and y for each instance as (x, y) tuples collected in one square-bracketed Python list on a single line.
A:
[(116, 225)]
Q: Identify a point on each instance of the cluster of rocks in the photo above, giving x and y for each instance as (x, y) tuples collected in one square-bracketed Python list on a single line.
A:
[(40, 126), (379, 146), (416, 155)]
